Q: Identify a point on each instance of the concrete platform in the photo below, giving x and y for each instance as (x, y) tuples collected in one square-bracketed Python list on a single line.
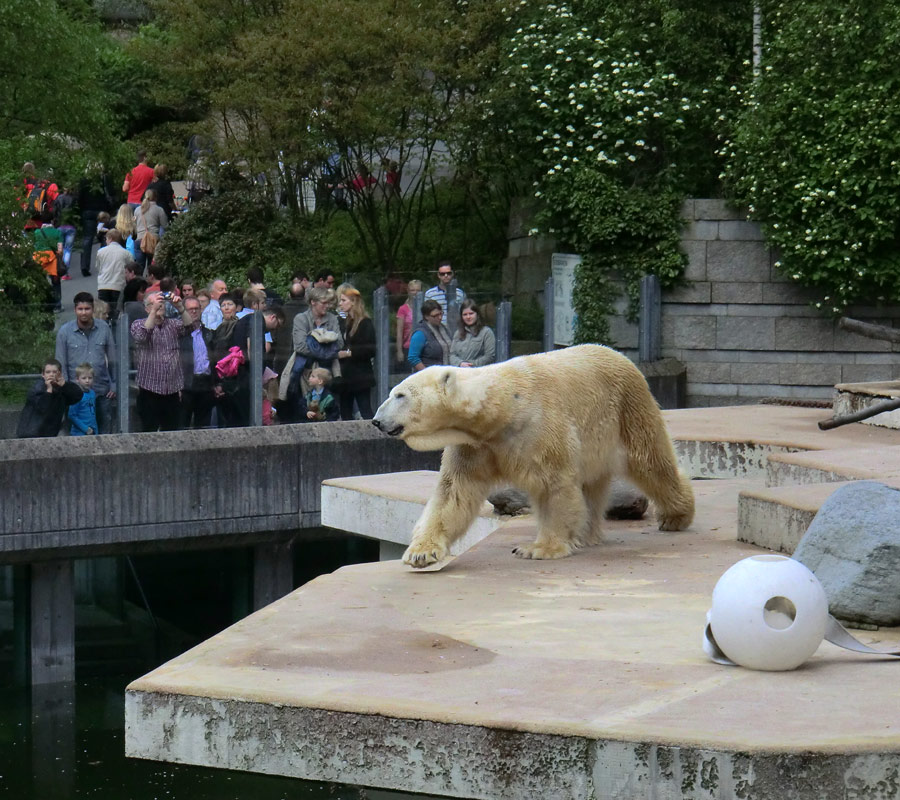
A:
[(579, 678), (502, 678)]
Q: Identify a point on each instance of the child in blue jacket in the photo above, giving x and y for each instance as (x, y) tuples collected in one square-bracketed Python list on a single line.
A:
[(83, 415)]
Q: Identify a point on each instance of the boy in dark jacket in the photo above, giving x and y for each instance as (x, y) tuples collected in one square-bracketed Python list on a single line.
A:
[(46, 403), (321, 405)]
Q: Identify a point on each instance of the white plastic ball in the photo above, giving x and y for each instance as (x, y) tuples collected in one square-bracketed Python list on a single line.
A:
[(768, 612)]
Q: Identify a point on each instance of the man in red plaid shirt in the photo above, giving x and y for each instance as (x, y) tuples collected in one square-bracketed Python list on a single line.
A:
[(159, 374)]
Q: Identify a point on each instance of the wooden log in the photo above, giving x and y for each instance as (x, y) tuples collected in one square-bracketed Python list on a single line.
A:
[(869, 330)]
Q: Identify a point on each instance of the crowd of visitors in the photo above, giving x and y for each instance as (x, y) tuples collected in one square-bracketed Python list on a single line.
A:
[(192, 345)]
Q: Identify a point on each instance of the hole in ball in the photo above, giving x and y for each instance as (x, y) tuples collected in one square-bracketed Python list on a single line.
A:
[(779, 613)]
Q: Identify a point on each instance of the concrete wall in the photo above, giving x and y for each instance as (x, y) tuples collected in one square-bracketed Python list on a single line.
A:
[(745, 331), (97, 495), (742, 329)]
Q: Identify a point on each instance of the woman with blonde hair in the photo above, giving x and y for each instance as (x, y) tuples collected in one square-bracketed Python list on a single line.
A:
[(357, 373), (125, 226)]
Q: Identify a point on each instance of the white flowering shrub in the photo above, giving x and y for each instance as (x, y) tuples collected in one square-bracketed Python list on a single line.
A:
[(816, 150), (621, 108)]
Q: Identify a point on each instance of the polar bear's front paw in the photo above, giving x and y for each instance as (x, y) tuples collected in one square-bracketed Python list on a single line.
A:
[(541, 551), (421, 555)]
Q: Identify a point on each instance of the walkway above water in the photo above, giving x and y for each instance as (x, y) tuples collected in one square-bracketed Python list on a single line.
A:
[(502, 678)]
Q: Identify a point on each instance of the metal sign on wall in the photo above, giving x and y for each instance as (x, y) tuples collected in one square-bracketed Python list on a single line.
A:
[(562, 266)]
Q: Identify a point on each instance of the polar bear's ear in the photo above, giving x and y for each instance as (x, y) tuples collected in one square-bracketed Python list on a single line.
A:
[(448, 381)]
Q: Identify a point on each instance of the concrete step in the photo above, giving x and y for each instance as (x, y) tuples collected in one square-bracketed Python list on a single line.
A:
[(828, 466), (852, 397), (777, 517)]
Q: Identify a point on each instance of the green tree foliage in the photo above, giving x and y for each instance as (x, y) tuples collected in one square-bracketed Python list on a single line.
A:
[(291, 85), (816, 151), (621, 104), (235, 229), (55, 111)]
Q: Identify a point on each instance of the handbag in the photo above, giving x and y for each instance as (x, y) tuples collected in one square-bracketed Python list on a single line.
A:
[(149, 241)]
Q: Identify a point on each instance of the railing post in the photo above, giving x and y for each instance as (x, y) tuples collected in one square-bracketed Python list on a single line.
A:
[(416, 307), (548, 315), (504, 330), (649, 324), (452, 308), (123, 367), (257, 346), (382, 343)]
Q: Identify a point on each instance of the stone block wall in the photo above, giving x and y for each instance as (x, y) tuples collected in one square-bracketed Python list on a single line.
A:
[(744, 331)]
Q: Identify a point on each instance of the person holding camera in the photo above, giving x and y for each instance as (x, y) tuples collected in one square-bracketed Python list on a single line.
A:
[(160, 378)]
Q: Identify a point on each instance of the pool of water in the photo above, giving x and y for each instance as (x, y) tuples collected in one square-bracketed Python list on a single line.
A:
[(67, 741)]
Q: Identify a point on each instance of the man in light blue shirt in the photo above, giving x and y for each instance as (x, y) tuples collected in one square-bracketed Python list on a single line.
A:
[(89, 340)]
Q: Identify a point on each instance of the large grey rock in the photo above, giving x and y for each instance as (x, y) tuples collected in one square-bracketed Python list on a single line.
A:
[(853, 547), (625, 501)]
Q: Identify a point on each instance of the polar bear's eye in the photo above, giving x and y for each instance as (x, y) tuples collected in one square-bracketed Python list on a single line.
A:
[(399, 395)]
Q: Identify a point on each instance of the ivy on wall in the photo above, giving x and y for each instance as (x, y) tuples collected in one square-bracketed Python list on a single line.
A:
[(816, 150), (623, 105)]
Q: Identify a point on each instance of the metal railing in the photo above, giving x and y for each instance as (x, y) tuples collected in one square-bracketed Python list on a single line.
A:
[(383, 318)]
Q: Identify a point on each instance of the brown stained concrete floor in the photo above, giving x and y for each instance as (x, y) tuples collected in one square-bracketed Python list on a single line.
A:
[(605, 644)]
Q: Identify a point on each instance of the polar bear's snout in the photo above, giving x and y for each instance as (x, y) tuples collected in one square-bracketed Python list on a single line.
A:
[(388, 428), (384, 421)]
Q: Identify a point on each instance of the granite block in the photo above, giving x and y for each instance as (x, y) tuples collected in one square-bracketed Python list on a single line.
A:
[(800, 333), (696, 255), (745, 333), (738, 292), (692, 333), (809, 374), (740, 231), (737, 261)]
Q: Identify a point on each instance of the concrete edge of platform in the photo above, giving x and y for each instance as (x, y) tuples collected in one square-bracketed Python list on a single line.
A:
[(361, 507), (470, 761), (766, 522)]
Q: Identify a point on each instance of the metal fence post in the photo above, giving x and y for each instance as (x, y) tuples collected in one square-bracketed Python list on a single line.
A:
[(123, 367), (382, 343), (416, 307), (649, 323), (548, 315), (504, 330), (452, 308), (257, 346)]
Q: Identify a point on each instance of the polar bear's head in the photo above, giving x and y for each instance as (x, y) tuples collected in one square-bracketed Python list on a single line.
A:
[(434, 408)]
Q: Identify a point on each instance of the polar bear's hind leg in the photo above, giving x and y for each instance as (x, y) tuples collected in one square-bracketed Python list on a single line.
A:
[(562, 517)]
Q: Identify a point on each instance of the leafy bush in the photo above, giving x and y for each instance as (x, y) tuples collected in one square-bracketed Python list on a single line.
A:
[(816, 155), (622, 105)]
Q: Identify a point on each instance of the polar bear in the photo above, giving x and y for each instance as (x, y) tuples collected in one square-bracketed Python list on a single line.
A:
[(559, 425)]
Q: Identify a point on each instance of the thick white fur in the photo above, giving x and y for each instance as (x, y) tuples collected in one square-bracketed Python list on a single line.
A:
[(558, 425)]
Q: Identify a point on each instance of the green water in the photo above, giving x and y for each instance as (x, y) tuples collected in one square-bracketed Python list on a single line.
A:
[(62, 742), (69, 743)]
